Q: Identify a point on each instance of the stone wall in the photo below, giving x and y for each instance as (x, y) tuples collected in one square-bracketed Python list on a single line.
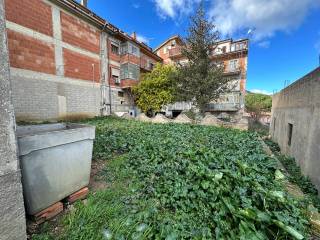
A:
[(12, 215), (295, 123)]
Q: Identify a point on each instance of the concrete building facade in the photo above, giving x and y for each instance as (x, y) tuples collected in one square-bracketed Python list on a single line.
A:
[(295, 123), (233, 55), (12, 220), (66, 61)]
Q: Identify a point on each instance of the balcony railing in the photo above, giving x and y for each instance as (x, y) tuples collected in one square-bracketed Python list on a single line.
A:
[(175, 52), (216, 107), (128, 83), (179, 106), (233, 48), (232, 70), (144, 64)]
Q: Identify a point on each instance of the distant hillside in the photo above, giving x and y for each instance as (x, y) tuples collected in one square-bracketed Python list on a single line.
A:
[(258, 102)]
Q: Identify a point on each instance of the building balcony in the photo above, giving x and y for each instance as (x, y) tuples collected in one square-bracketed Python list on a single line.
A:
[(128, 83), (129, 58), (232, 71), (223, 107), (175, 52), (221, 54), (145, 65)]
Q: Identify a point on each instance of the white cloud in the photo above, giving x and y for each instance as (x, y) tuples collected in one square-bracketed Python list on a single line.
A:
[(264, 44), (175, 8), (143, 39), (260, 91), (265, 16)]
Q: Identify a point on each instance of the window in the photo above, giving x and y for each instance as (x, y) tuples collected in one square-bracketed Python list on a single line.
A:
[(151, 65), (173, 43), (224, 49), (130, 48), (114, 49), (124, 48), (290, 129), (134, 50), (233, 65), (120, 94), (115, 75), (129, 70), (116, 79)]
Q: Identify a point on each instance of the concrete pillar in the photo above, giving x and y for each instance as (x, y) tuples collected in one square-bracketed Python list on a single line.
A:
[(56, 22), (12, 215)]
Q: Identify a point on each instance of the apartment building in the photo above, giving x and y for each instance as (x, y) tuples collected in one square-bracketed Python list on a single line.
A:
[(66, 61), (233, 55)]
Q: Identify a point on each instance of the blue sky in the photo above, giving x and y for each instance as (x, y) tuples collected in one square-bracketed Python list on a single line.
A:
[(285, 43)]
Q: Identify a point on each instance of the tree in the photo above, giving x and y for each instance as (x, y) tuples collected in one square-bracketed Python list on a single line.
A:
[(155, 89), (200, 80), (257, 103)]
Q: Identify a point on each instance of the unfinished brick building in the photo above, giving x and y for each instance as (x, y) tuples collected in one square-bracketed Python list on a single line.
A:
[(233, 55), (66, 61)]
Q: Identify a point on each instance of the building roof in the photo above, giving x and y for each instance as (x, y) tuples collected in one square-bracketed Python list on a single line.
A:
[(168, 40), (83, 12)]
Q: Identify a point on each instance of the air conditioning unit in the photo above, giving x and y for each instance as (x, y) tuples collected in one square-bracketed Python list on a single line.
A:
[(117, 80)]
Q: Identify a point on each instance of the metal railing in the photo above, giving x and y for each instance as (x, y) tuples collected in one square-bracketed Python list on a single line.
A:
[(223, 107)]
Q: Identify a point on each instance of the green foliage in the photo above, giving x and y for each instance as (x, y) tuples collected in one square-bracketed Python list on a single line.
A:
[(296, 175), (176, 181), (256, 103), (200, 80), (155, 89)]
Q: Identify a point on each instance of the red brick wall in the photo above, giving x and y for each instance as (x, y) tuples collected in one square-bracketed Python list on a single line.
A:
[(33, 14), (130, 58), (79, 33), (29, 53), (128, 82), (80, 66)]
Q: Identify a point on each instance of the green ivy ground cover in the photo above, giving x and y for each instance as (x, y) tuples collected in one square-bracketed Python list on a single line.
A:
[(176, 181)]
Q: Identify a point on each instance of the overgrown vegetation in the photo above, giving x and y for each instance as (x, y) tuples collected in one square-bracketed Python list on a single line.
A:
[(257, 103), (295, 174), (176, 181)]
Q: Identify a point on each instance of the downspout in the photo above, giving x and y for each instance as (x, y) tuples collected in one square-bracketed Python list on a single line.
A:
[(107, 74), (109, 82)]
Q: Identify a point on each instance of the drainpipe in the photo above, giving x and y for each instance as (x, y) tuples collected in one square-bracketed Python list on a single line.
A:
[(109, 83), (106, 74)]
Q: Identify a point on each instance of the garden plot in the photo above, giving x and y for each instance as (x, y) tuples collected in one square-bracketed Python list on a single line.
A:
[(177, 181)]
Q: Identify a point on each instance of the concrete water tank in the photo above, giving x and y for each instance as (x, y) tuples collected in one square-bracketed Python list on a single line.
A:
[(55, 161)]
